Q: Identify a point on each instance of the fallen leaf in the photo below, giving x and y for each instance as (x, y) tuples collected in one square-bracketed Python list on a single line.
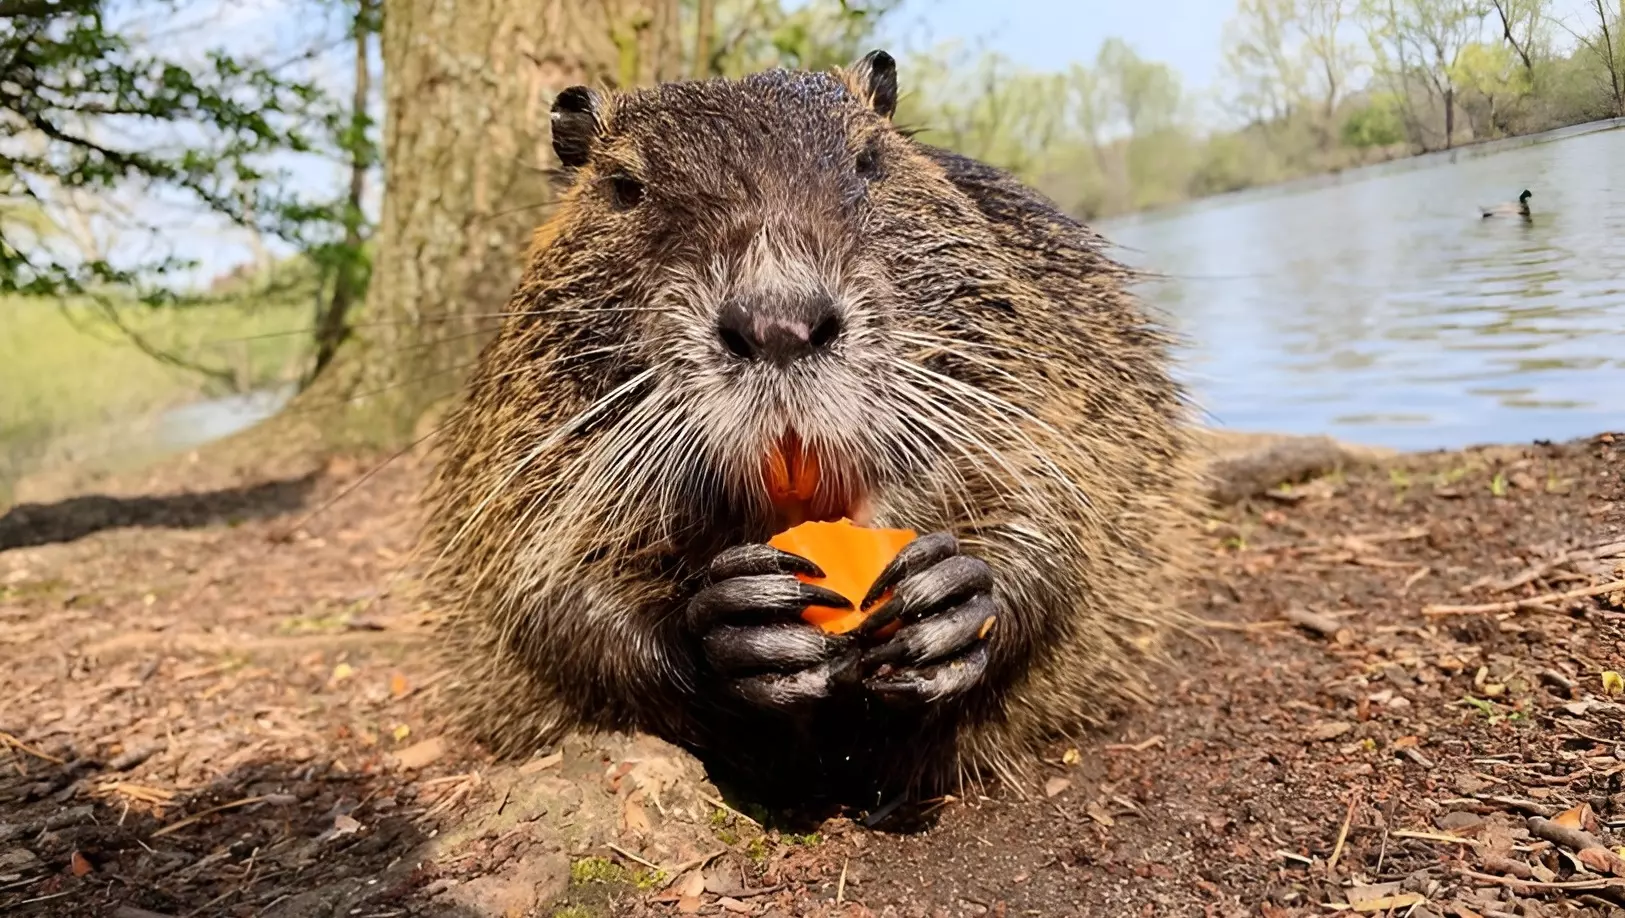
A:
[(401, 732), (398, 686), (688, 905), (422, 753), (1055, 785), (1402, 900), (1602, 860), (1407, 742), (1612, 683), (341, 672), (636, 817), (80, 865), (1329, 730), (345, 825), (1101, 816), (1572, 818), (1362, 894), (693, 885), (1071, 757), (736, 906)]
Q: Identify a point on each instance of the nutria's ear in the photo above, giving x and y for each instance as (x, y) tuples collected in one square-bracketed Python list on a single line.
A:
[(874, 80), (577, 123)]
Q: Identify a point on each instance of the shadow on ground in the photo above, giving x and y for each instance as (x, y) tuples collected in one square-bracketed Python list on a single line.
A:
[(271, 838), (28, 525)]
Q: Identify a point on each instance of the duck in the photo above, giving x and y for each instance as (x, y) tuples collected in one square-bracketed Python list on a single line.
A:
[(1506, 210)]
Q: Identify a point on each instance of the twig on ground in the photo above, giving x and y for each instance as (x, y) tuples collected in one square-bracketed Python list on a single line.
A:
[(840, 887), (718, 803), (21, 746), (1342, 835), (183, 823), (1507, 866), (678, 870), (1323, 625), (1141, 746), (1513, 605), (1536, 884), (632, 857)]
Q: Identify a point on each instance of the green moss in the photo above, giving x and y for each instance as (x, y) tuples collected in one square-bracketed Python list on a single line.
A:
[(720, 818), (605, 872), (757, 849), (727, 836), (811, 839), (575, 911), (597, 870)]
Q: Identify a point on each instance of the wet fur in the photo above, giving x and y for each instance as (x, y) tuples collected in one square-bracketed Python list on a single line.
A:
[(994, 378)]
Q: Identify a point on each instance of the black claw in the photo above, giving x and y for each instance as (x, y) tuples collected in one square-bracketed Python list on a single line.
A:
[(927, 684), (757, 559), (762, 598), (937, 637), (923, 552), (945, 585)]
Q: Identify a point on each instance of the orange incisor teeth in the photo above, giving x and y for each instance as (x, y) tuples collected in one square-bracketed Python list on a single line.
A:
[(986, 627), (792, 473)]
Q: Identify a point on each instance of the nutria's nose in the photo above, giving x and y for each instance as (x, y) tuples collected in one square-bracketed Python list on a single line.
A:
[(779, 333)]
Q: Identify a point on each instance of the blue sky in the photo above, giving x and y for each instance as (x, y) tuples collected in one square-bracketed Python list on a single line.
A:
[(1039, 34)]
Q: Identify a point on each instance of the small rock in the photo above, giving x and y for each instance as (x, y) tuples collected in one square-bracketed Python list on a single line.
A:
[(1458, 821), (1055, 785), (1329, 730)]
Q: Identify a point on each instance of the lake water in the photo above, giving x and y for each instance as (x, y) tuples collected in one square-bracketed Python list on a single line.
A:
[(1380, 307)]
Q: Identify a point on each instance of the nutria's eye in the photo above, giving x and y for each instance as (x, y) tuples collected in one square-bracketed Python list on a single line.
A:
[(625, 192), (868, 163)]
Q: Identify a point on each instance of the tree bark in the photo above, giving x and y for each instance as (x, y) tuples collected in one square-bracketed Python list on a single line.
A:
[(468, 87), (1449, 115), (332, 325), (705, 25)]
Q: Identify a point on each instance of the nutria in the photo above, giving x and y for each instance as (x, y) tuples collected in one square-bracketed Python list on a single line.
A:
[(739, 268)]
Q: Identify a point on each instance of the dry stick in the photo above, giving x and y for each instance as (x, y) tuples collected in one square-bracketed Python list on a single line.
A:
[(177, 826), (686, 866), (1342, 835), (15, 743), (718, 803), (1577, 840), (1322, 625), (631, 857), (1513, 605), (1536, 884)]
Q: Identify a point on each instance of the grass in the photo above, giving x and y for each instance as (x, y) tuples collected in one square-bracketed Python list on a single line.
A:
[(67, 374)]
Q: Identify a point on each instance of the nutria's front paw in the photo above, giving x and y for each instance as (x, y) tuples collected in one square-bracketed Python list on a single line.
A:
[(944, 602), (748, 620)]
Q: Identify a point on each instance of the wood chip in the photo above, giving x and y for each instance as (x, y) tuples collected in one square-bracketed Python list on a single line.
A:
[(421, 754), (1322, 625), (547, 761)]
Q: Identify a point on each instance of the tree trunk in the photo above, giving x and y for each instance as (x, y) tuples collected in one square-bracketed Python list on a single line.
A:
[(1449, 115), (332, 325), (468, 87), (705, 25)]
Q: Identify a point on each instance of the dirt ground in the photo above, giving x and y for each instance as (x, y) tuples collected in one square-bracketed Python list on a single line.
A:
[(1404, 700)]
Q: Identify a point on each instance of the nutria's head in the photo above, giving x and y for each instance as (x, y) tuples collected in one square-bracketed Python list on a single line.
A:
[(746, 269)]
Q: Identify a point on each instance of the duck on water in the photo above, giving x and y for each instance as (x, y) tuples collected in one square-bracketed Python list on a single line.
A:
[(1507, 210)]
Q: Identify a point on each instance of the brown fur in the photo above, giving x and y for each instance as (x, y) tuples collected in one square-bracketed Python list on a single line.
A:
[(1035, 417)]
